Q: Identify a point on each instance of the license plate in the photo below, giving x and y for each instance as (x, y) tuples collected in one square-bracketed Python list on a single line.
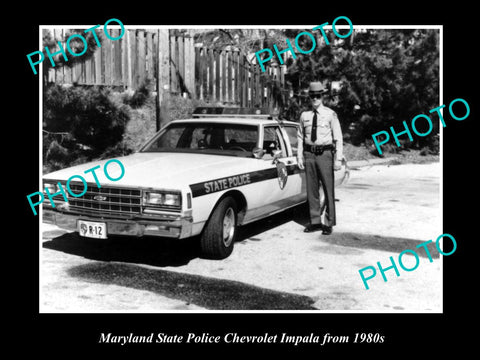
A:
[(92, 229)]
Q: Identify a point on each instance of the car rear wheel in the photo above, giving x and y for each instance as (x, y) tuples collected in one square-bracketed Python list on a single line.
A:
[(220, 232)]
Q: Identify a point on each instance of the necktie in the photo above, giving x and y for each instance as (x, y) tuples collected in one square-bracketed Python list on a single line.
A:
[(314, 126)]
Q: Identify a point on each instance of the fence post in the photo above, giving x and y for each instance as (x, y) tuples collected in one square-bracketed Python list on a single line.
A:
[(228, 90), (224, 76), (141, 57), (204, 67), (149, 56), (173, 63), (180, 73), (210, 74), (199, 73), (238, 80), (189, 66), (133, 60), (217, 76), (163, 78), (126, 60)]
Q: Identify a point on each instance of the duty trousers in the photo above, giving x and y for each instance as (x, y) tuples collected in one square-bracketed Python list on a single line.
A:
[(319, 170)]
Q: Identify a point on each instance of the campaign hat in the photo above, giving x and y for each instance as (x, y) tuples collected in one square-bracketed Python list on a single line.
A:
[(316, 87)]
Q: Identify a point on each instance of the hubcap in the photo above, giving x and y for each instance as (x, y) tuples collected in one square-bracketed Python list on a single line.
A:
[(228, 226)]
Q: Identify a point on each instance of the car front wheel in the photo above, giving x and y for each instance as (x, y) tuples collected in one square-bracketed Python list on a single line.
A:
[(220, 232)]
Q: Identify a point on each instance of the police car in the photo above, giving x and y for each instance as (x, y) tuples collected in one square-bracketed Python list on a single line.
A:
[(205, 176)]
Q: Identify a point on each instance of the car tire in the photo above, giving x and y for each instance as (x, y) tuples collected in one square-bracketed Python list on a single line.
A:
[(220, 232)]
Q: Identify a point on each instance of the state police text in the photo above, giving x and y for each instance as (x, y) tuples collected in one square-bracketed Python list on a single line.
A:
[(226, 183)]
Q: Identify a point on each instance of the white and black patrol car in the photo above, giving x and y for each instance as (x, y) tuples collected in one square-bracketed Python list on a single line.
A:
[(224, 168)]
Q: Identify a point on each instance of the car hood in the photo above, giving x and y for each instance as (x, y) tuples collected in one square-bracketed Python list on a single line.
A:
[(160, 170)]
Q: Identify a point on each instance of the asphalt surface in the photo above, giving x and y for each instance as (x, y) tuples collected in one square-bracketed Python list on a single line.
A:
[(382, 211)]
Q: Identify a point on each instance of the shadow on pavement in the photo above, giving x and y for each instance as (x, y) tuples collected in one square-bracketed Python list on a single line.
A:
[(298, 214), (146, 250), (151, 250), (209, 293), (384, 243)]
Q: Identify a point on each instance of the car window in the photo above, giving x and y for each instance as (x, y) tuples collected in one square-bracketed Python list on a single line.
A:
[(239, 135), (169, 141), (292, 137), (273, 140), (226, 139)]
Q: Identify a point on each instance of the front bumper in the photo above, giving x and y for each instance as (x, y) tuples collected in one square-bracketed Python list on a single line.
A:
[(180, 227)]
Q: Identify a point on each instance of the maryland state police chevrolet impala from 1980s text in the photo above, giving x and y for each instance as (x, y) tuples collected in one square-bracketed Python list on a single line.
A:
[(204, 176)]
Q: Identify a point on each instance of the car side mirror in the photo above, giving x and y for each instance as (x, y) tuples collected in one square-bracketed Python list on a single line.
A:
[(277, 154), (258, 152)]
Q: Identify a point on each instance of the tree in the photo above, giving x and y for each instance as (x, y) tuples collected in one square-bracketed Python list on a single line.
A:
[(246, 40), (387, 76)]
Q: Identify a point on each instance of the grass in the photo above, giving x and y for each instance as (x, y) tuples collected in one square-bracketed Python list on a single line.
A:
[(142, 125)]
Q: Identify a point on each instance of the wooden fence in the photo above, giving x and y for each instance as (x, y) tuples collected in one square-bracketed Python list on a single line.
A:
[(172, 64), (228, 77), (132, 59)]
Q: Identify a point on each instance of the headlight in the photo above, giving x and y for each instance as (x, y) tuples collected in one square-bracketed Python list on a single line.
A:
[(56, 194), (172, 200), (154, 198), (54, 188), (51, 187)]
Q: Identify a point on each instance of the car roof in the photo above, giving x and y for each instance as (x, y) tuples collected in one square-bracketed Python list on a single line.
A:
[(235, 120)]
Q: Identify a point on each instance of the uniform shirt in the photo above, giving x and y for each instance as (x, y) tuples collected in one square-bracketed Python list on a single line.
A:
[(328, 130)]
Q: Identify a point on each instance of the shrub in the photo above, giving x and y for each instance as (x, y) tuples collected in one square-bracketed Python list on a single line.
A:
[(80, 122), (182, 108), (140, 95)]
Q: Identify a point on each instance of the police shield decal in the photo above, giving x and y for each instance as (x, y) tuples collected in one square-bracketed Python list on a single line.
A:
[(282, 174)]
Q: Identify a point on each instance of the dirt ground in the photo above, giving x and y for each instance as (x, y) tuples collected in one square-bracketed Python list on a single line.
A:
[(382, 211)]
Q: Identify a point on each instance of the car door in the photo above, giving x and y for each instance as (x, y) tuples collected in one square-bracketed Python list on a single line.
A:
[(281, 188), (296, 176)]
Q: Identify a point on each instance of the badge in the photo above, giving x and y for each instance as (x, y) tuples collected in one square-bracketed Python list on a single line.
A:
[(282, 174)]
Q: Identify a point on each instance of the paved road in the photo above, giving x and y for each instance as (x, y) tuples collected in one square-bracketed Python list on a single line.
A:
[(382, 211)]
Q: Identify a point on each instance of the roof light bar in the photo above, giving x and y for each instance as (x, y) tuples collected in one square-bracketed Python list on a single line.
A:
[(234, 112)]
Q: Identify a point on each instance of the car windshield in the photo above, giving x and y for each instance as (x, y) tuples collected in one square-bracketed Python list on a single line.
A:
[(201, 137)]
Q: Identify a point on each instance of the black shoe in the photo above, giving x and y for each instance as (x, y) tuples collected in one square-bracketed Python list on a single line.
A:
[(313, 228), (327, 230)]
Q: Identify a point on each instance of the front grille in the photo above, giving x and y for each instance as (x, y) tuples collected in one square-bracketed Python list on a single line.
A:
[(106, 200)]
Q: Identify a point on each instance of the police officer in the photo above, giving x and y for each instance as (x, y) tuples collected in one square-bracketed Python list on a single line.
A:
[(320, 151)]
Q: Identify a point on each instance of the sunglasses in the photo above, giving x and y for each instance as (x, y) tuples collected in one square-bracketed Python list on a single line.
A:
[(315, 96)]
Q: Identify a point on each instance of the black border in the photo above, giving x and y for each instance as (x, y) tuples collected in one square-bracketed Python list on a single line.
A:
[(409, 334)]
